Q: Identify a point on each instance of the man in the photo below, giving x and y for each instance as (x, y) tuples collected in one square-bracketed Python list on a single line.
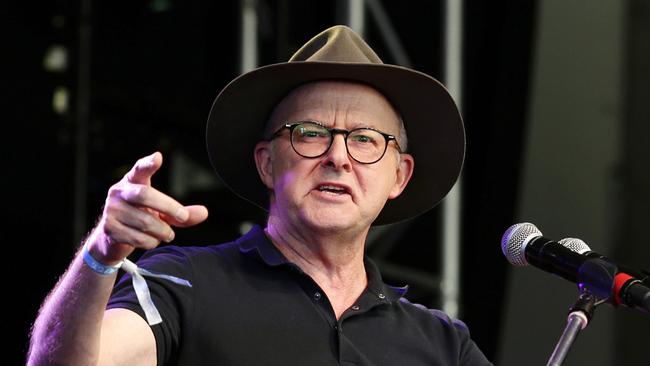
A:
[(326, 135)]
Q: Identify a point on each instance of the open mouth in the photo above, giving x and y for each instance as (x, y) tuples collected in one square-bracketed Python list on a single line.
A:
[(333, 189)]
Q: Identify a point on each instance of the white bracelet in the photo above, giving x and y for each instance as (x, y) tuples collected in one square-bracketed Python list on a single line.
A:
[(96, 266)]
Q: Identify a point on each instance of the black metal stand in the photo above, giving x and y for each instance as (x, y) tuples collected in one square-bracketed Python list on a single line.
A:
[(579, 316)]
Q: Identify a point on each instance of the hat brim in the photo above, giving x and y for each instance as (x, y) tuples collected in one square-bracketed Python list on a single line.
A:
[(436, 136)]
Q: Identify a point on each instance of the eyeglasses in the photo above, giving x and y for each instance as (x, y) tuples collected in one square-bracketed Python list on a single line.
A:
[(311, 140)]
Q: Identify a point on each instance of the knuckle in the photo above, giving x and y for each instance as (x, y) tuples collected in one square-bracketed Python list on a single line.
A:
[(113, 210), (108, 227), (114, 191), (142, 162), (110, 204), (139, 193), (144, 222), (143, 165), (117, 186), (146, 242), (117, 191), (170, 234), (137, 169)]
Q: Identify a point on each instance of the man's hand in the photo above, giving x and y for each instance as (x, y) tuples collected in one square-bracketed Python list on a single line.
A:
[(136, 215)]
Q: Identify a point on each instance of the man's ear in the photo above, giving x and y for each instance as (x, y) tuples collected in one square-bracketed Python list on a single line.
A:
[(264, 163), (404, 172)]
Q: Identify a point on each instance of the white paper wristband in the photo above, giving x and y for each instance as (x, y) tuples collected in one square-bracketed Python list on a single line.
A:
[(97, 266), (139, 284)]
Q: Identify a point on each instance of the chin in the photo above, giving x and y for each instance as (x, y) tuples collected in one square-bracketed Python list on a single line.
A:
[(333, 220)]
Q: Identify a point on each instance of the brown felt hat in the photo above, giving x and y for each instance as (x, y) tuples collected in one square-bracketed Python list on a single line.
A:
[(436, 137)]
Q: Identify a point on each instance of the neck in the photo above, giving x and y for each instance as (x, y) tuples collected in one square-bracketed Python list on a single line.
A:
[(334, 261)]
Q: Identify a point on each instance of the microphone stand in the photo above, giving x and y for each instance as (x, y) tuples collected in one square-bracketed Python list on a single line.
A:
[(579, 315)]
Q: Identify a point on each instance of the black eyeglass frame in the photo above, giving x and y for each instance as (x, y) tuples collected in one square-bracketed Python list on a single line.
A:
[(332, 132)]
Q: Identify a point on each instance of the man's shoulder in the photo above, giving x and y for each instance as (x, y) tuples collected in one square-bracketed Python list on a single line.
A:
[(183, 255), (426, 314), (446, 332), (193, 251), (224, 254)]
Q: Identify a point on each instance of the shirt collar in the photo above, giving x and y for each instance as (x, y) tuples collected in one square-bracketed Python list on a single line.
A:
[(377, 286), (256, 243)]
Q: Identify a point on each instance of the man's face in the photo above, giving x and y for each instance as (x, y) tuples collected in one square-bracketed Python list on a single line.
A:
[(333, 191)]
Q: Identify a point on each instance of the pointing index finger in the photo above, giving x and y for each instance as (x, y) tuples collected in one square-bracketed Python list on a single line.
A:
[(141, 195), (144, 169)]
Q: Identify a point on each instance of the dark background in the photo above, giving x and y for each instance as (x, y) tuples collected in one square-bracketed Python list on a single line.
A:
[(147, 80)]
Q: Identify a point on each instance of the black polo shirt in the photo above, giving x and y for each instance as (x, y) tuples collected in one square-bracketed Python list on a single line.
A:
[(249, 306)]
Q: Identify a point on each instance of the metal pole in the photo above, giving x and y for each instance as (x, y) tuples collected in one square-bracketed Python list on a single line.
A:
[(575, 323), (450, 253), (248, 55), (356, 16), (397, 51), (388, 33), (451, 220), (580, 314)]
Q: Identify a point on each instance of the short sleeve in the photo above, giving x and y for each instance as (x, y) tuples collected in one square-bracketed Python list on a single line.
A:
[(173, 301), (468, 352)]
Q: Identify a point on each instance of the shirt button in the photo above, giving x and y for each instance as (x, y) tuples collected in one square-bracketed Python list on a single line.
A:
[(382, 296), (317, 296), (355, 307)]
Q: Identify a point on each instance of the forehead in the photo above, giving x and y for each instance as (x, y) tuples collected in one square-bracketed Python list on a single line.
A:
[(335, 101)]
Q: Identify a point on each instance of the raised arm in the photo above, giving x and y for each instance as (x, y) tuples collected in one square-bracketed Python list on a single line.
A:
[(72, 327)]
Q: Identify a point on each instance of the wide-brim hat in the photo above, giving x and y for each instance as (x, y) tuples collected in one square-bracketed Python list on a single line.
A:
[(436, 137)]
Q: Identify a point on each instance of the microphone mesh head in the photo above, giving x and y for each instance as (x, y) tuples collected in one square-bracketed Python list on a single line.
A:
[(514, 241), (575, 245)]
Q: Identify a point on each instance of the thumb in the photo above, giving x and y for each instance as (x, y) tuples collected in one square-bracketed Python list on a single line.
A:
[(198, 214)]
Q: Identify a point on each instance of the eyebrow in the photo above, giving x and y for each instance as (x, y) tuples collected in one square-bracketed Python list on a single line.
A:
[(355, 125)]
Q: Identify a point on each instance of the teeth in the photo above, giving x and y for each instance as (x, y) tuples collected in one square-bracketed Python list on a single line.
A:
[(331, 188)]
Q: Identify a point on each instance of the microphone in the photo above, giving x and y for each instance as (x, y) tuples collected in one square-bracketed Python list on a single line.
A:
[(573, 260), (629, 285)]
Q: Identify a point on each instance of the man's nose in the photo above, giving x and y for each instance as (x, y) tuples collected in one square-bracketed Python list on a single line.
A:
[(337, 156)]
